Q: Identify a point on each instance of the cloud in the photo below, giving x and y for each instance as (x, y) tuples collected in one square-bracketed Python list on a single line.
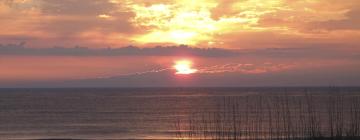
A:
[(65, 27), (315, 52), (295, 51), (201, 23), (245, 68), (182, 50), (350, 22), (76, 7), (72, 21)]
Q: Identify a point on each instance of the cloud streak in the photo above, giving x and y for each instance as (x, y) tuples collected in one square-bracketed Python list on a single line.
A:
[(241, 68), (245, 68)]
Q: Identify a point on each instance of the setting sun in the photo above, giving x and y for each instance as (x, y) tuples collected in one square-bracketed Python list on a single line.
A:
[(180, 69), (184, 67)]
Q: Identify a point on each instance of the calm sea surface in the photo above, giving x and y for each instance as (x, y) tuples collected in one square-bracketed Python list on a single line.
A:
[(143, 113)]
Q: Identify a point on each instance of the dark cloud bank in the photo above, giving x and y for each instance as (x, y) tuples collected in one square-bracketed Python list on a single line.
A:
[(315, 51), (20, 49)]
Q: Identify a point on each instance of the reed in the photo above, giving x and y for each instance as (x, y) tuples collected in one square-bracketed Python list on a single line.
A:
[(276, 117)]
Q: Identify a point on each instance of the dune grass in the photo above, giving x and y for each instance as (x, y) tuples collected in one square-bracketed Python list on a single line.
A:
[(275, 117)]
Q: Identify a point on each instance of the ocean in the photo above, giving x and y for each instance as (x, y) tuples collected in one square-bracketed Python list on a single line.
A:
[(177, 113)]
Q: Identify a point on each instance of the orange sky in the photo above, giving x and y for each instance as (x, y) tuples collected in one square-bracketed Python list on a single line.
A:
[(310, 32), (220, 23)]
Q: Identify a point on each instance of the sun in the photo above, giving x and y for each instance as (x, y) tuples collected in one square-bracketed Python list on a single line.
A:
[(184, 67)]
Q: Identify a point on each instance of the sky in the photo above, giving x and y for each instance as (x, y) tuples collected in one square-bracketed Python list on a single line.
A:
[(135, 43)]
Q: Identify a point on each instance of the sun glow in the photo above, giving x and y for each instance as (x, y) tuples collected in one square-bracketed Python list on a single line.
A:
[(181, 22), (184, 67)]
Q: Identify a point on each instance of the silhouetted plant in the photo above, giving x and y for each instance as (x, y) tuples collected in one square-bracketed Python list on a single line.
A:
[(276, 117)]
